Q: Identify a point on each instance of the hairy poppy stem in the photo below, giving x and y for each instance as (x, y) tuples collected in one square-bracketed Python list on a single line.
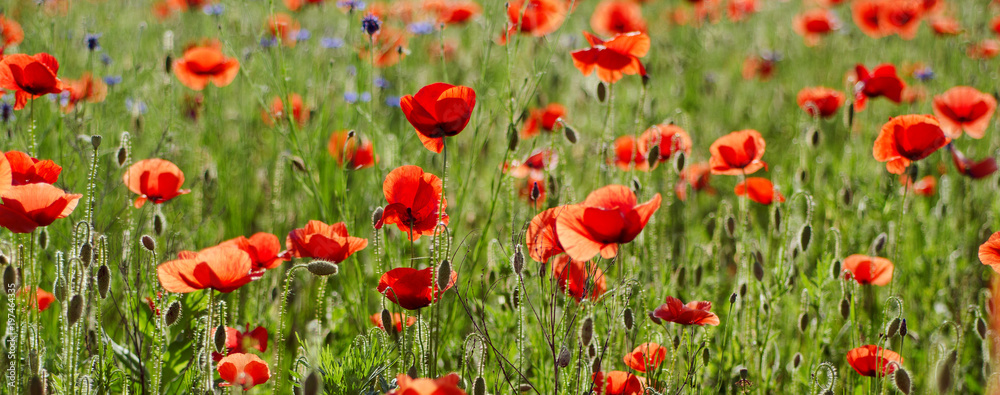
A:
[(279, 336), (604, 146)]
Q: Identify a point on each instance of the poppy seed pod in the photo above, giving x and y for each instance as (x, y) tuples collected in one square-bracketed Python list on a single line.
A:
[(893, 328), (595, 365), (676, 341), (87, 254), (148, 243), (517, 260), (412, 371), (803, 322), (732, 298), (159, 224), (444, 275), (95, 141), (570, 133), (901, 378), (845, 309), (220, 338), (43, 239), (628, 319), (75, 309), (797, 360), (387, 317), (313, 384), (322, 268), (563, 359), (377, 217), (680, 162), (587, 331), (122, 156), (835, 269), (805, 237), (602, 92), (479, 387), (173, 313), (653, 156), (706, 356), (744, 373), (103, 281)]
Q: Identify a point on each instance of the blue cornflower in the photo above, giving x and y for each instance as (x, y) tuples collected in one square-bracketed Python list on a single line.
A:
[(370, 24), (331, 42), (93, 41)]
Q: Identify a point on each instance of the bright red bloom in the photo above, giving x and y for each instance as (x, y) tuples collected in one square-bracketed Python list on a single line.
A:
[(397, 321), (693, 313), (883, 81), (201, 64), (414, 200), (697, 176), (542, 239), (901, 17), (946, 26), (617, 17), (318, 240), (610, 216), (618, 383), (758, 66), (576, 278), (544, 119), (866, 14), (437, 111), (413, 289), (164, 9), (985, 49), (613, 58), (453, 12), (908, 138), (347, 150), (738, 153), (814, 24), (26, 207), (154, 180), (923, 187), (390, 47), (628, 155), (222, 268), (10, 33), (300, 113), (989, 252), (871, 360), (820, 101), (43, 299), (964, 108), (239, 341), (972, 168), (540, 17), (264, 250), (29, 76), (283, 26), (535, 165), (759, 190), (868, 269), (740, 10), (295, 5), (647, 356), (27, 170), (87, 88), (243, 370), (444, 385), (670, 139)]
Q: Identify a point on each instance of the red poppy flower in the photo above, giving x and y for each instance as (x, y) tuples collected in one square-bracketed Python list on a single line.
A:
[(759, 190), (154, 180), (901, 17), (970, 167), (295, 5), (412, 289), (946, 26), (321, 241), (397, 321), (883, 81), (670, 139), (576, 278), (868, 269), (543, 119), (964, 108), (695, 175), (814, 24), (693, 313), (390, 47), (26, 207), (618, 383), (29, 76), (989, 252), (758, 66), (85, 89), (43, 299), (647, 356), (542, 239), (923, 187), (985, 49), (239, 341), (201, 64), (540, 17), (740, 10), (610, 216), (628, 155), (534, 166), (27, 170), (613, 58), (453, 12), (617, 17), (264, 250), (414, 200), (222, 268), (243, 370), (10, 33), (871, 360), (350, 153), (437, 111), (820, 101), (164, 9), (866, 14), (283, 26), (277, 111), (908, 138), (738, 153), (444, 385)]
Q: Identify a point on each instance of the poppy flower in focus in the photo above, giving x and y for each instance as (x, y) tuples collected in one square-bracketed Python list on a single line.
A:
[(945, 26), (670, 139), (437, 111), (397, 321), (645, 357), (540, 17), (353, 152), (277, 111), (239, 341), (970, 167), (628, 156), (740, 10), (576, 278), (535, 165), (201, 64), (10, 33), (85, 89), (693, 313), (820, 101), (923, 187), (614, 58), (444, 385), (989, 252), (964, 108), (222, 268), (412, 289), (883, 81), (814, 24), (908, 138), (27, 170), (608, 217), (390, 47), (318, 240), (901, 17), (26, 207), (868, 269), (264, 250), (738, 153), (414, 198), (985, 49), (243, 371), (695, 175), (617, 17), (542, 238), (871, 360), (283, 26), (545, 119), (759, 190), (617, 382), (867, 16), (154, 180), (29, 76)]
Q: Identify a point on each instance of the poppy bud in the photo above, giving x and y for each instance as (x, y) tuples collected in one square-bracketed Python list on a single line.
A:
[(479, 387), (743, 290), (801, 176), (730, 226), (680, 161), (59, 290), (148, 243), (9, 279), (902, 328), (95, 141), (653, 156), (168, 64), (835, 269), (412, 371), (805, 236), (299, 164), (564, 357), (758, 270), (159, 224), (803, 322), (587, 331), (517, 260), (75, 309), (516, 297), (535, 191), (845, 308), (36, 386), (103, 281), (676, 341), (636, 186), (706, 356), (444, 274), (697, 276), (681, 275), (944, 373), (797, 360), (570, 133), (813, 136), (628, 319), (732, 298), (846, 196), (591, 350), (322, 268), (656, 320), (602, 91), (220, 338), (595, 365), (901, 378), (86, 254), (3, 259), (173, 313), (849, 116), (525, 387), (122, 156), (981, 327), (879, 244), (387, 318), (43, 239), (313, 384), (893, 328), (744, 373), (512, 138), (377, 217)]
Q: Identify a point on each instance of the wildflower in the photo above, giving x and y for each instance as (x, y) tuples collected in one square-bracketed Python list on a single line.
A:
[(540, 17), (221, 268), (201, 64), (989, 252), (618, 383), (883, 81), (27, 207), (214, 9), (814, 24), (868, 269), (371, 24), (243, 370), (300, 113), (239, 341), (871, 360), (820, 101), (112, 80), (282, 26), (318, 240), (357, 154), (579, 279), (964, 108), (738, 153), (972, 168), (646, 357), (542, 238), (613, 58), (27, 170), (29, 77), (331, 42), (10, 33), (608, 217), (444, 385), (414, 198), (759, 190), (84, 89), (264, 250), (693, 313), (696, 176), (154, 180), (908, 138), (412, 289), (671, 139), (545, 119), (397, 321), (617, 17), (437, 111), (93, 41)]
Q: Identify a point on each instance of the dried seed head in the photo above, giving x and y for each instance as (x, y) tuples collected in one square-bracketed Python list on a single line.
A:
[(805, 236), (517, 260), (87, 254), (981, 327), (377, 217), (159, 224), (845, 308), (797, 360), (628, 319), (479, 387), (43, 239), (313, 384), (444, 274), (220, 338), (122, 156), (902, 328), (879, 243), (9, 279), (893, 328), (570, 134), (803, 322), (564, 357), (602, 91), (75, 309), (148, 243), (587, 331), (173, 313), (322, 268), (835, 269), (103, 281), (730, 226)]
